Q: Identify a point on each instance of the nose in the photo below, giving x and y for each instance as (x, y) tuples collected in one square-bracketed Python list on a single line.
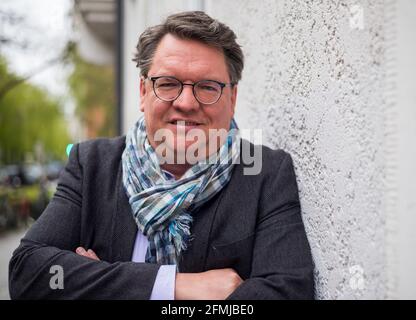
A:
[(186, 101)]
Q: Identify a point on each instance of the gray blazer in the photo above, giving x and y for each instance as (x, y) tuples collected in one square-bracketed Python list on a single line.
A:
[(253, 225)]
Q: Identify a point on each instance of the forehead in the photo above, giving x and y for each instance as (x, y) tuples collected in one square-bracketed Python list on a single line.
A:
[(188, 60)]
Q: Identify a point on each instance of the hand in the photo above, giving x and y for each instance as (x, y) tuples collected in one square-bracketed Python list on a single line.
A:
[(215, 284), (87, 253)]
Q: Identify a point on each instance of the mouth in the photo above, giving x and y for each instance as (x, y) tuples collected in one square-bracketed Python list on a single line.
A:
[(186, 123)]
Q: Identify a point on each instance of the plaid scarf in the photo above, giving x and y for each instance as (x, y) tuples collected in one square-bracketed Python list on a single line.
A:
[(162, 206)]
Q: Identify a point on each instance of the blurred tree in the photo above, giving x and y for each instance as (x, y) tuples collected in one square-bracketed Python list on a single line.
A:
[(93, 88), (17, 34), (14, 81), (9, 18), (29, 118)]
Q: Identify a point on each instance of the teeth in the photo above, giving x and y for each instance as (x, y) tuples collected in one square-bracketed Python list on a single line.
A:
[(186, 123)]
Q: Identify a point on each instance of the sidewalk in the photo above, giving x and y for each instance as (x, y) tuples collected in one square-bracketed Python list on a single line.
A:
[(8, 242)]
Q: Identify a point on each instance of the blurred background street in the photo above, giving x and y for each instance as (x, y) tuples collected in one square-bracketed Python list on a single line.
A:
[(8, 242), (57, 87)]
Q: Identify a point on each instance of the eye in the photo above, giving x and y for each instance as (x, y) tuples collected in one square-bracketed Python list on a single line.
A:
[(209, 86), (166, 83)]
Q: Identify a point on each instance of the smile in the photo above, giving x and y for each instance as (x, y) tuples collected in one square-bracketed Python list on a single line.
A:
[(184, 123)]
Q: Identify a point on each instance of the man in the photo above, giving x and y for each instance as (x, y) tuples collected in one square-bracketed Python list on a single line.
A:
[(129, 222)]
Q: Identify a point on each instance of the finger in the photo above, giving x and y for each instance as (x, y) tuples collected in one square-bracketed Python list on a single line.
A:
[(92, 254), (81, 251)]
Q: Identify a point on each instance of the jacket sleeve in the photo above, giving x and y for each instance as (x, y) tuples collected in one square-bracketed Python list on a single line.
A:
[(52, 240), (282, 266)]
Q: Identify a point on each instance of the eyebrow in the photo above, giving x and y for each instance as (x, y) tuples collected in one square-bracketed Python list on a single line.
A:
[(171, 76)]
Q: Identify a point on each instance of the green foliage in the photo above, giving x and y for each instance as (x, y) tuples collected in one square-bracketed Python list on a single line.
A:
[(28, 116), (93, 87), (29, 193)]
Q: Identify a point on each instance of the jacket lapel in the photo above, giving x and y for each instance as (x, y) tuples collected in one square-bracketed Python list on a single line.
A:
[(194, 258), (124, 227)]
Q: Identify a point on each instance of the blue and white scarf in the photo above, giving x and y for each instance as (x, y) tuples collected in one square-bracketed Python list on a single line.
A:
[(162, 207)]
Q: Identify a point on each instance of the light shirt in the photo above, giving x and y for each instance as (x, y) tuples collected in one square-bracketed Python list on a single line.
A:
[(164, 286)]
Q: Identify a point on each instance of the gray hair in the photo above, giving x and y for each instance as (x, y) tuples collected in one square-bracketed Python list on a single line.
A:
[(193, 25)]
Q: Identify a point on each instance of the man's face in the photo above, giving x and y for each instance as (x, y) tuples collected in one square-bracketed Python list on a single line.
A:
[(189, 61)]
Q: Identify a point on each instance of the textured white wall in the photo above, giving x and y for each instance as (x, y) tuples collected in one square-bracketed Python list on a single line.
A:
[(333, 82), (314, 80), (324, 80)]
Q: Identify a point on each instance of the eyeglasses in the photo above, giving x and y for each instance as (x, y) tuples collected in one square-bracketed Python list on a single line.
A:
[(205, 91)]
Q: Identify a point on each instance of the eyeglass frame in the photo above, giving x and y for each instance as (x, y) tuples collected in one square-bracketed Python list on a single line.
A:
[(221, 84)]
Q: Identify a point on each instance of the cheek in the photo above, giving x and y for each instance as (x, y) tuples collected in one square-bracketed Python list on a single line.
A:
[(155, 112), (151, 106), (220, 117)]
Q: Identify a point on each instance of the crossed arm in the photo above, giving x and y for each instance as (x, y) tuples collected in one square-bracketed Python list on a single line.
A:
[(209, 285), (54, 239), (281, 269)]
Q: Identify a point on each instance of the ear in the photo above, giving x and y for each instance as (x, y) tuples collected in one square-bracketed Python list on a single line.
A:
[(233, 98), (142, 93)]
